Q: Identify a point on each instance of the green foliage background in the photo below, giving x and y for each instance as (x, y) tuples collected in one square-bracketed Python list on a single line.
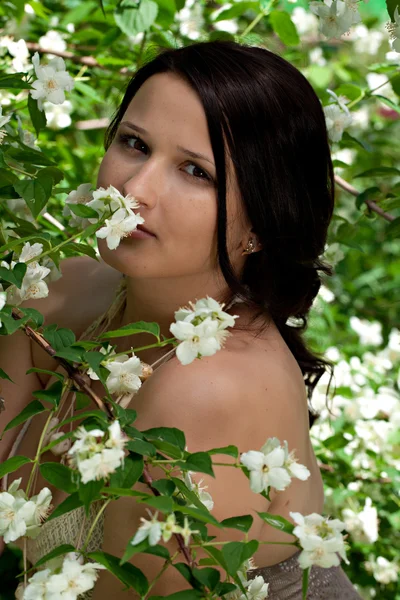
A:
[(363, 245)]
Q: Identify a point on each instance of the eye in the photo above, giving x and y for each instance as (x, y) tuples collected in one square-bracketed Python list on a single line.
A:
[(125, 140), (199, 173)]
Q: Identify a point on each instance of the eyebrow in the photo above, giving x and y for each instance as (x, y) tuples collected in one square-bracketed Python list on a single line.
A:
[(180, 148)]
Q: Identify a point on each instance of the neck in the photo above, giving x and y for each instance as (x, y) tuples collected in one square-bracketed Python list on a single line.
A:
[(156, 301)]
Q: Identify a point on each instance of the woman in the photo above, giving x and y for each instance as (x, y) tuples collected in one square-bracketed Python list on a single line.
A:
[(225, 148)]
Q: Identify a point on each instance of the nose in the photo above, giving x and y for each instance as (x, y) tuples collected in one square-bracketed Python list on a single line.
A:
[(142, 184)]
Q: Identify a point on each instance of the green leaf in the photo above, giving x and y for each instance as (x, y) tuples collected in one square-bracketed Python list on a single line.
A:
[(90, 492), (201, 515), (35, 192), (208, 576), (12, 464), (81, 210), (71, 353), (142, 447), (185, 595), (52, 394), (229, 450), (235, 553), (14, 82), (351, 91), (34, 315), (391, 7), (14, 276), (59, 475), (161, 503), (133, 19), (237, 10), (131, 576), (284, 27), (378, 172), (3, 375), (9, 324), (128, 474), (145, 547), (29, 156), (242, 523), (393, 229), (171, 435), (132, 329), (225, 588), (70, 503), (388, 102), (38, 117), (59, 376), (95, 413), (59, 551), (198, 461), (188, 494), (60, 338), (277, 522), (164, 486), (33, 408)]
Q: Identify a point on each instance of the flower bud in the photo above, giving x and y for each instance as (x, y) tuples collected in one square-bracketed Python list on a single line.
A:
[(62, 447)]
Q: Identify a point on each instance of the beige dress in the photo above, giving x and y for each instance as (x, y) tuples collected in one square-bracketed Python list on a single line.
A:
[(285, 578)]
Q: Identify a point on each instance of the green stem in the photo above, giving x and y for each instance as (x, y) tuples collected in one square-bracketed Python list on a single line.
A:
[(254, 22), (89, 535), (21, 171), (55, 248), (36, 461), (163, 569)]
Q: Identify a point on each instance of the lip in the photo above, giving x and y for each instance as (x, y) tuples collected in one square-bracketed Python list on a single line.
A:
[(141, 228), (140, 234)]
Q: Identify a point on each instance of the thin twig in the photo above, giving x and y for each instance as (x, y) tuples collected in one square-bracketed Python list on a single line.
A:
[(73, 373), (370, 203), (184, 549), (89, 61)]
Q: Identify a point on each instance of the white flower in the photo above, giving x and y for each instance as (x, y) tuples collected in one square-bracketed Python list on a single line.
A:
[(204, 339), (107, 352), (363, 525), (100, 465), (32, 286), (42, 505), (149, 529), (229, 25), (19, 51), (87, 442), (37, 586), (191, 19), (333, 253), (3, 121), (306, 23), (394, 30), (82, 195), (335, 19), (117, 438), (15, 513), (336, 121), (291, 464), (119, 226), (186, 532), (383, 570), (124, 376), (3, 300), (169, 527), (266, 469), (320, 538), (322, 553), (52, 81), (370, 332), (74, 579), (108, 200), (58, 116), (28, 252), (257, 589), (52, 41), (204, 497)]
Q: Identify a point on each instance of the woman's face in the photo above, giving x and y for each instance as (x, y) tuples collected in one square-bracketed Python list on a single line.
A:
[(152, 158)]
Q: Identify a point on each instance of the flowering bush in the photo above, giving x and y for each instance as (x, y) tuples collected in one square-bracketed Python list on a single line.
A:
[(55, 100)]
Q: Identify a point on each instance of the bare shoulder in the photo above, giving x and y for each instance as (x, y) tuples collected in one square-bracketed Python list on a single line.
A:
[(251, 389), (76, 299)]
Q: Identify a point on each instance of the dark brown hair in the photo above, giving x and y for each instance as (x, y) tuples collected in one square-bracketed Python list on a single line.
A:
[(275, 131)]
